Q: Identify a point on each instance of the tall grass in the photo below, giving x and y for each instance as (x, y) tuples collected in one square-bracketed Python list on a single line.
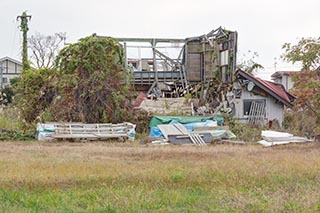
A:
[(115, 178), (9, 118), (11, 126)]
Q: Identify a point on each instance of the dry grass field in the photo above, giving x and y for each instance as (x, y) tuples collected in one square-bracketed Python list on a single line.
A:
[(110, 177)]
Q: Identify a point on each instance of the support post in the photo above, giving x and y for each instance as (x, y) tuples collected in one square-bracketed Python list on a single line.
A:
[(155, 69)]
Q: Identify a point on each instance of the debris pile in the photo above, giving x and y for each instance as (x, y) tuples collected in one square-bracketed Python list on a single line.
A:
[(81, 131), (205, 99), (213, 98), (197, 130), (272, 138), (164, 106)]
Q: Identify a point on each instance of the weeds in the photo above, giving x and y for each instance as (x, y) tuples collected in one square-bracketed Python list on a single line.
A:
[(16, 135), (9, 118), (10, 126), (103, 177), (245, 132)]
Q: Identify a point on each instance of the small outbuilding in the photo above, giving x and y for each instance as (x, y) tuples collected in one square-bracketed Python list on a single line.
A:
[(259, 101)]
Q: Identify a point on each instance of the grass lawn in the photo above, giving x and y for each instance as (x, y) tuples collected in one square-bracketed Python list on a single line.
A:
[(104, 177)]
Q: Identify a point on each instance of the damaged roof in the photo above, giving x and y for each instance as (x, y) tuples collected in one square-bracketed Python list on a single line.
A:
[(276, 90)]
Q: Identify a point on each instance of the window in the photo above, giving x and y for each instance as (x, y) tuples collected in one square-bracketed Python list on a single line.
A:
[(255, 105), (224, 57), (4, 80), (225, 45)]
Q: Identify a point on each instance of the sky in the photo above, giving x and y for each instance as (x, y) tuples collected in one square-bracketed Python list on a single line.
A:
[(262, 26)]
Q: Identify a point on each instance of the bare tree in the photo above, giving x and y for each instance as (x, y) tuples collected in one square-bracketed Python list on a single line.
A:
[(248, 62), (45, 48)]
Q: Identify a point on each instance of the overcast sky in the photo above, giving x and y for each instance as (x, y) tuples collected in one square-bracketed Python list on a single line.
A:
[(262, 26)]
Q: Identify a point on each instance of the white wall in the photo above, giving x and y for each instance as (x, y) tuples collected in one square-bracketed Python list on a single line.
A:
[(274, 109), (286, 81)]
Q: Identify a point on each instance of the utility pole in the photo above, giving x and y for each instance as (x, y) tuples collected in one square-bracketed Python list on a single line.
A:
[(24, 29)]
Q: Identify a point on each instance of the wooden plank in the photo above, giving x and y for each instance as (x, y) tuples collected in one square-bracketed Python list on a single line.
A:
[(193, 56), (91, 131), (70, 136), (172, 129), (169, 129), (111, 135), (181, 128), (87, 136)]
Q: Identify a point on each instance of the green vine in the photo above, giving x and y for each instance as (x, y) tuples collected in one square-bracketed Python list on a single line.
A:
[(217, 73), (24, 28), (88, 84), (230, 64)]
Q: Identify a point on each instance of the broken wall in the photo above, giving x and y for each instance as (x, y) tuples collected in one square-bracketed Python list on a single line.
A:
[(211, 56)]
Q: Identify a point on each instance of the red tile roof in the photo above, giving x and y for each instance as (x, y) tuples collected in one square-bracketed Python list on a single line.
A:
[(274, 89)]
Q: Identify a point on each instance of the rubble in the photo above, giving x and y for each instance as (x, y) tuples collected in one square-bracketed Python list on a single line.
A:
[(198, 130), (272, 138), (165, 106)]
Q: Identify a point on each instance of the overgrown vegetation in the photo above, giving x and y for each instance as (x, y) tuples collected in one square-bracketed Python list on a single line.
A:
[(93, 85), (24, 29), (245, 132), (87, 84), (304, 118), (9, 118), (306, 52), (35, 93), (16, 135), (11, 126)]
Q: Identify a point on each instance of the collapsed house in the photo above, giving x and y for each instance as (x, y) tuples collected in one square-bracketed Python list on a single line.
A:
[(204, 66), (169, 67)]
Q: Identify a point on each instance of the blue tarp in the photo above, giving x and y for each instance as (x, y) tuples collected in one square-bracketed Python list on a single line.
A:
[(156, 120), (155, 131)]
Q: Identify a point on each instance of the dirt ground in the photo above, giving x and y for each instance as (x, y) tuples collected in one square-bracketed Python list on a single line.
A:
[(104, 151)]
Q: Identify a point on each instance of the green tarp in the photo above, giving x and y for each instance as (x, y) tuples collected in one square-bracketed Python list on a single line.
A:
[(156, 120)]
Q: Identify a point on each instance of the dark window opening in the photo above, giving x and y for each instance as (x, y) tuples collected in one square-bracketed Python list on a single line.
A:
[(248, 106)]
